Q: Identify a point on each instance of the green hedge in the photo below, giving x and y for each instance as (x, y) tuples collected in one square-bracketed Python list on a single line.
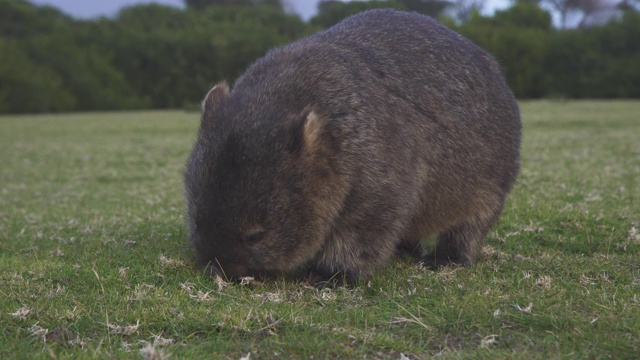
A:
[(153, 56)]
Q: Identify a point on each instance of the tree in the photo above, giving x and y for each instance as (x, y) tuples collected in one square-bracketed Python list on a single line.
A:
[(173, 56), (524, 14), (581, 12), (629, 5), (19, 19), (46, 64), (157, 56), (331, 12), (432, 8), (464, 9), (202, 4), (518, 37), (28, 87), (598, 62)]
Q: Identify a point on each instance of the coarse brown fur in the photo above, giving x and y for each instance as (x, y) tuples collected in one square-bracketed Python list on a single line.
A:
[(334, 152)]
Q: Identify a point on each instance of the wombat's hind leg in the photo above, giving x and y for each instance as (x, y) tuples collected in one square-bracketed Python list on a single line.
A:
[(459, 245)]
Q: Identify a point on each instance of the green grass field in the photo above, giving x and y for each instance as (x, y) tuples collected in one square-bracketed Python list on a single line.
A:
[(94, 260)]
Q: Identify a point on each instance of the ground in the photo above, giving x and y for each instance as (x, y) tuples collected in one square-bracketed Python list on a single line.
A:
[(94, 260)]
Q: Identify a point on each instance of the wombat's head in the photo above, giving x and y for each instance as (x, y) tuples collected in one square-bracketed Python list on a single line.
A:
[(257, 198)]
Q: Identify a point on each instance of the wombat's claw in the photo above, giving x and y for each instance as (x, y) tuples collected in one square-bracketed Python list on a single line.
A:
[(330, 284), (436, 263), (323, 280)]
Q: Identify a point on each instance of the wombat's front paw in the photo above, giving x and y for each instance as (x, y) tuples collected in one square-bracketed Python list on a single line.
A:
[(321, 279), (434, 262)]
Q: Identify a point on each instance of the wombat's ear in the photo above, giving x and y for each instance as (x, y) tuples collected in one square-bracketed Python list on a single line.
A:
[(311, 131), (215, 96)]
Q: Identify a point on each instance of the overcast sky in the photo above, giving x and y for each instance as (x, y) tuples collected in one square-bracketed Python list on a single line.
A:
[(93, 8)]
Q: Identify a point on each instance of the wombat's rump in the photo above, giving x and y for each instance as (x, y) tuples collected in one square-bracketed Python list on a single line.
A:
[(332, 153)]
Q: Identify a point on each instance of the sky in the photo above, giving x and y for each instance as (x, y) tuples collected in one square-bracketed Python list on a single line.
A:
[(87, 9)]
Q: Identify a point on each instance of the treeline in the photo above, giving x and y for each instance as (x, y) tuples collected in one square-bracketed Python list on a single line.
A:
[(153, 56), (540, 61)]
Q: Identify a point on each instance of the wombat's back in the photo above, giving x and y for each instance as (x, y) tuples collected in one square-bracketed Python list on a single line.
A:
[(404, 68)]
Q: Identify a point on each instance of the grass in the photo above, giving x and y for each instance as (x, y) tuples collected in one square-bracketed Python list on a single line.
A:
[(94, 260)]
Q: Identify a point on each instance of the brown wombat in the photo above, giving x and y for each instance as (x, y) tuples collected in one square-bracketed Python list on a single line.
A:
[(334, 152)]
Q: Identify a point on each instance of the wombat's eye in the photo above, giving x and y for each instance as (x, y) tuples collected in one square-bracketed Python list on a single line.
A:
[(254, 236)]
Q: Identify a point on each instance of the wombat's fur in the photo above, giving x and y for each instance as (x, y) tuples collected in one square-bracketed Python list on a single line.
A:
[(333, 152)]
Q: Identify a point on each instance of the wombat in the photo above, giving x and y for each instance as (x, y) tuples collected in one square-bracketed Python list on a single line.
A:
[(335, 152)]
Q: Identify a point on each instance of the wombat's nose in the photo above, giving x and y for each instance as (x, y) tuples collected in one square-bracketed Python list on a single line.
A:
[(229, 272)]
